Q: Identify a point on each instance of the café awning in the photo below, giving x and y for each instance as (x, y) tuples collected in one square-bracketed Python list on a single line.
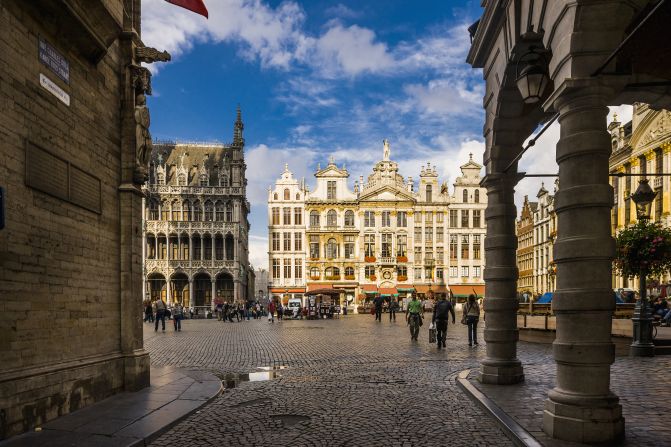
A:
[(463, 290), (369, 288), (388, 291), (289, 290)]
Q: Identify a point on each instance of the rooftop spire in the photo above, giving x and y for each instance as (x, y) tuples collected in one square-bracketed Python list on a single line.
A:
[(238, 127)]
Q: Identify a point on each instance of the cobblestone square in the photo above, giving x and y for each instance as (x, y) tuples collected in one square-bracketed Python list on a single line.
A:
[(350, 381)]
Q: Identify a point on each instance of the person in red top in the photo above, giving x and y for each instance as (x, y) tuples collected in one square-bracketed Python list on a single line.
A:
[(271, 311)]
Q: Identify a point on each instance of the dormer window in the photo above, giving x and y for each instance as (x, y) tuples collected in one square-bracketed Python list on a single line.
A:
[(181, 180), (465, 196), (287, 194), (477, 196), (203, 180), (223, 180), (161, 178), (429, 193), (330, 190)]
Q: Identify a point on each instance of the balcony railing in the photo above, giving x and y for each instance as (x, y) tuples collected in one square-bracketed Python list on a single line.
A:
[(162, 226), (209, 190), (386, 260), (151, 264)]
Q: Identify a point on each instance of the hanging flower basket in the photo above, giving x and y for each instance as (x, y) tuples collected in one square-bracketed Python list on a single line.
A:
[(401, 258), (369, 258), (643, 248)]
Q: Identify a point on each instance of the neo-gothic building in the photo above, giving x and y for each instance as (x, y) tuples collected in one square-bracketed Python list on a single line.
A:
[(196, 225), (382, 237)]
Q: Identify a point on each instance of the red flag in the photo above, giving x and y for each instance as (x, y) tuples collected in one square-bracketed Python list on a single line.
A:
[(196, 6)]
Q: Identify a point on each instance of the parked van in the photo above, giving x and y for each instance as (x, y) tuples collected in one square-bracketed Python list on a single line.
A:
[(294, 306)]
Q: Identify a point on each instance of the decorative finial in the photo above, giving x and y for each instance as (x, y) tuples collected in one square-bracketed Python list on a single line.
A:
[(238, 127), (319, 166), (286, 167), (331, 160), (160, 158), (615, 116), (386, 150), (470, 156)]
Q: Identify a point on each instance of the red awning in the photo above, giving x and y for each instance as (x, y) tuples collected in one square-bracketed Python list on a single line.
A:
[(388, 291), (283, 290), (319, 286), (467, 289), (369, 288), (421, 288), (439, 288)]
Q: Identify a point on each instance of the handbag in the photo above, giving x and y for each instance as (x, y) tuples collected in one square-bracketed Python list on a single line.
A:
[(432, 334)]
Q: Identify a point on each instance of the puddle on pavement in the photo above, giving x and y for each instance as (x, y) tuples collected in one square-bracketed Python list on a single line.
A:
[(232, 380)]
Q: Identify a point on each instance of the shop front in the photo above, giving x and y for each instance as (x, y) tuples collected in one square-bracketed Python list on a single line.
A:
[(461, 291), (284, 294), (368, 294)]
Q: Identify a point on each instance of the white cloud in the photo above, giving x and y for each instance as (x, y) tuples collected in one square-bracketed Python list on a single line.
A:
[(446, 97), (342, 11), (258, 251)]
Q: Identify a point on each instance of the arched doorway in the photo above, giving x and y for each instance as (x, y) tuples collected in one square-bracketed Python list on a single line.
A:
[(179, 289), (224, 287), (202, 290), (157, 287)]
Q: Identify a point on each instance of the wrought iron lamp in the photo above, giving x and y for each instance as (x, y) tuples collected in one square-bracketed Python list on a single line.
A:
[(532, 75), (642, 344)]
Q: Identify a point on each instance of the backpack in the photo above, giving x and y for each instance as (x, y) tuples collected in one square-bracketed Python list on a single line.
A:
[(443, 310)]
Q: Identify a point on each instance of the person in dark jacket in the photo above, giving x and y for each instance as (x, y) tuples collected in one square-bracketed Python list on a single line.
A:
[(441, 313), (378, 301)]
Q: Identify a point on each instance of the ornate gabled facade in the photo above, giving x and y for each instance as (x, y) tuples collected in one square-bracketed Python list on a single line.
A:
[(382, 237), (642, 147), (196, 224), (536, 231)]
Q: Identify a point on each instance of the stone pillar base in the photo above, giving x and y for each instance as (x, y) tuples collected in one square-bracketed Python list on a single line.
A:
[(583, 424), (508, 374), (136, 370)]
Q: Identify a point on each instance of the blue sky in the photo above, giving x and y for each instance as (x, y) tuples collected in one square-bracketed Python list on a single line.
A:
[(318, 78)]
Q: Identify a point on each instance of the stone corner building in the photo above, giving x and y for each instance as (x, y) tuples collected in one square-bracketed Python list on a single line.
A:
[(196, 225), (73, 153), (590, 55)]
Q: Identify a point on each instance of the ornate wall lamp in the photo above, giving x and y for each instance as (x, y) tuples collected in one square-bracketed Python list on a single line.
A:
[(532, 74)]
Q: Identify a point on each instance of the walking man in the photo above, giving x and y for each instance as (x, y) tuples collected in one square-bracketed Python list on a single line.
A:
[(393, 307), (378, 301), (271, 311), (160, 314), (414, 315), (178, 315), (441, 313)]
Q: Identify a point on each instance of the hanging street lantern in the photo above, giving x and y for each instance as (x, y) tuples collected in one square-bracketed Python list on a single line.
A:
[(643, 198), (532, 75)]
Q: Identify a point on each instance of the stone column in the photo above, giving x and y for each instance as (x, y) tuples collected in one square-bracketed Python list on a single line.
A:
[(168, 296), (236, 290), (581, 408), (214, 291), (501, 365), (191, 304), (214, 253)]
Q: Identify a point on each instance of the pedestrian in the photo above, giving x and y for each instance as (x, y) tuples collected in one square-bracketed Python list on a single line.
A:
[(414, 315), (441, 313), (220, 311), (280, 310), (378, 302), (258, 310), (224, 315), (178, 314), (160, 314), (191, 313), (393, 307), (148, 313), (271, 311), (472, 315)]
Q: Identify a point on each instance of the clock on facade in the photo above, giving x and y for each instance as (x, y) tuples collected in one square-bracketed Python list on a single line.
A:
[(386, 275)]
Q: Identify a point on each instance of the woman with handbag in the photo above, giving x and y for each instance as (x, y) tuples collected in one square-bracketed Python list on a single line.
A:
[(470, 319)]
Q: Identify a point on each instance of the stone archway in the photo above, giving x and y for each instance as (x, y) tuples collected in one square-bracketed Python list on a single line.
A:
[(157, 287), (179, 289), (225, 287), (202, 290)]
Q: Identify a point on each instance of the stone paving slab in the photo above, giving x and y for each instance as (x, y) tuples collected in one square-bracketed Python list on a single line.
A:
[(129, 419)]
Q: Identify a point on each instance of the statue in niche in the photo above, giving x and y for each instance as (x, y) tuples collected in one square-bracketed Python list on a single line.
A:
[(143, 144)]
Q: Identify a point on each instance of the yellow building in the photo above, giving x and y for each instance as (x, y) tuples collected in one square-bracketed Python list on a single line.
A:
[(640, 146)]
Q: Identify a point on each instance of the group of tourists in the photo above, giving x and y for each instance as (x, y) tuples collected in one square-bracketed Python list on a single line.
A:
[(158, 311), (442, 311), (228, 311)]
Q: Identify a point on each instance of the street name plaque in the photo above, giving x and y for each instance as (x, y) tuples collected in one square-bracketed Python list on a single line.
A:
[(53, 59)]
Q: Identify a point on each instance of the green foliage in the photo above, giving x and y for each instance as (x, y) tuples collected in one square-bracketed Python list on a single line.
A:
[(643, 248)]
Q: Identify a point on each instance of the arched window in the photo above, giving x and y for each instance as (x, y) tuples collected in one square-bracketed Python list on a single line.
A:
[(186, 211), (429, 193), (230, 250), (465, 196), (336, 271), (349, 218), (175, 210), (204, 180), (220, 211), (331, 249), (181, 180), (275, 196), (328, 272), (287, 194), (298, 196), (223, 180), (153, 210), (332, 218), (165, 210), (209, 211), (477, 196), (349, 272), (314, 273), (161, 178), (314, 218), (229, 212), (197, 211)]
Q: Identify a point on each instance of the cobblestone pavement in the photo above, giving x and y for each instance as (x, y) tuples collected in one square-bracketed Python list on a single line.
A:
[(349, 382), (642, 384)]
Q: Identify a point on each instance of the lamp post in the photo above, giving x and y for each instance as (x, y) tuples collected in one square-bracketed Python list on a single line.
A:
[(641, 345), (532, 75)]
